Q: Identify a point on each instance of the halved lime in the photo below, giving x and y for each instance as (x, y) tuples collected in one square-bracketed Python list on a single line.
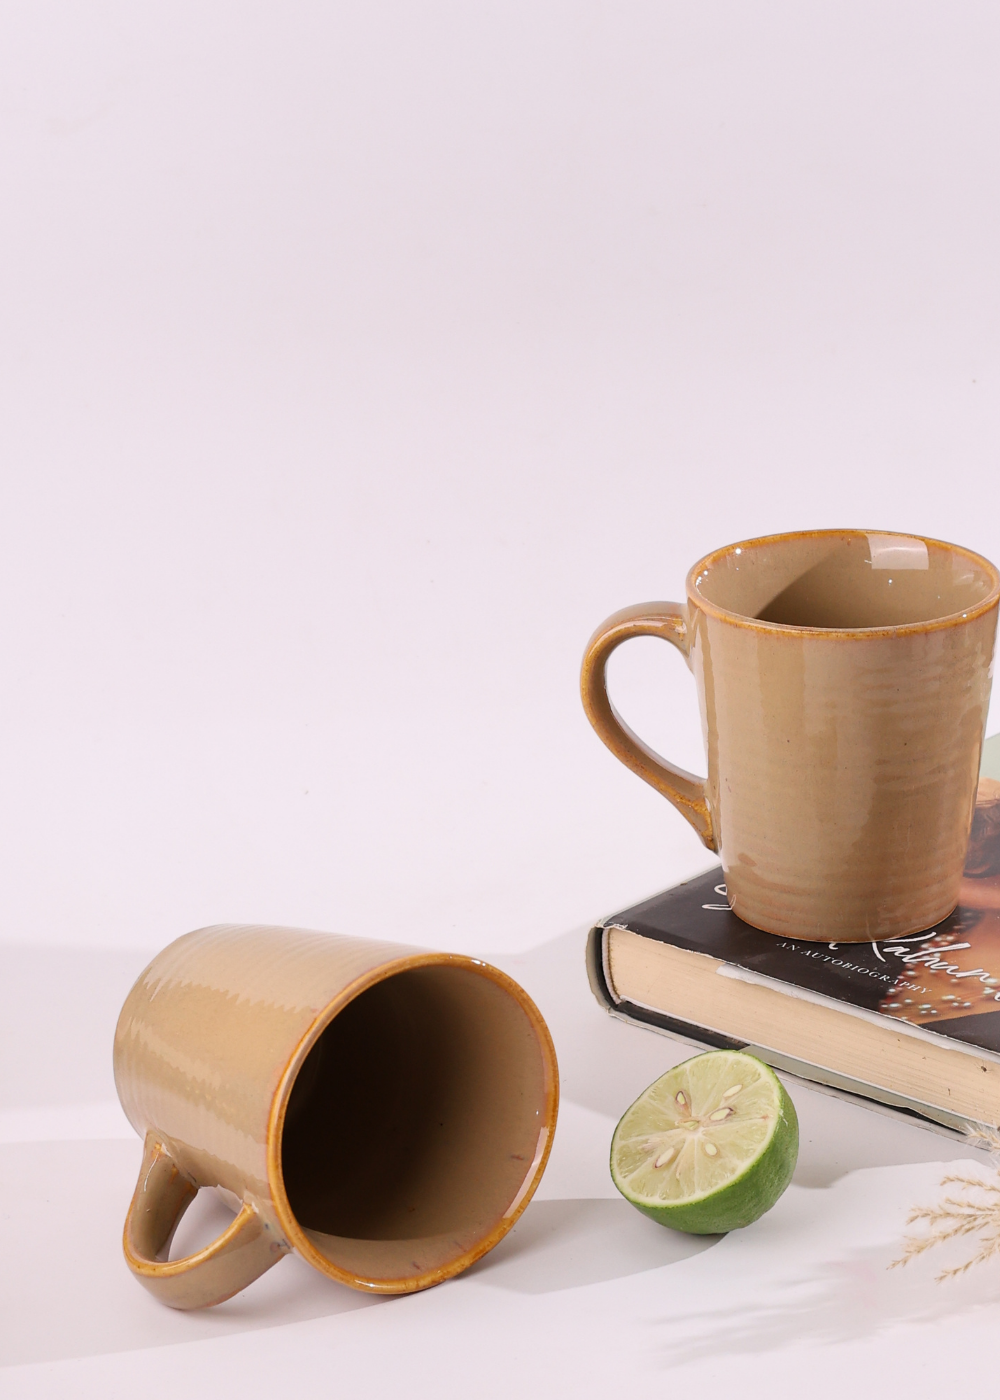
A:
[(710, 1146)]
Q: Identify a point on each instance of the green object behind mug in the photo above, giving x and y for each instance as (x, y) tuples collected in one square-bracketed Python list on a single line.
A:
[(991, 758)]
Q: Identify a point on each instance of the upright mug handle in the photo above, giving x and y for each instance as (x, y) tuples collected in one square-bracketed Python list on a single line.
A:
[(684, 790), (243, 1252)]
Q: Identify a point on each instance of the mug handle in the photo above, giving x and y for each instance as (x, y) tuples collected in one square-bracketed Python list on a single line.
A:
[(243, 1252), (684, 790)]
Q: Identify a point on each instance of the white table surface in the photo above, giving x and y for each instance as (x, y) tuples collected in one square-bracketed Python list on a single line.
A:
[(584, 1294)]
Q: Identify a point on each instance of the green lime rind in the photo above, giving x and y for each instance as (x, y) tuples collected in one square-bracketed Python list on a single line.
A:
[(745, 1196)]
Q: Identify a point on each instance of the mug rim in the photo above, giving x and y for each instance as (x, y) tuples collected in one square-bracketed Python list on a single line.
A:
[(295, 1233), (756, 624)]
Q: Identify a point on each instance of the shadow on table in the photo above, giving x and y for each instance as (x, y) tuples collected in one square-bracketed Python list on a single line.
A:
[(566, 1244), (814, 1273), (64, 1201), (844, 1300), (65, 1291), (605, 1064)]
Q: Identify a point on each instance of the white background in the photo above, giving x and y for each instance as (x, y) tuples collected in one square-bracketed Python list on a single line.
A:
[(357, 359)]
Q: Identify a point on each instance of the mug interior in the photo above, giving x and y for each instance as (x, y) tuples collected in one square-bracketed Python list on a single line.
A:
[(415, 1124), (844, 579)]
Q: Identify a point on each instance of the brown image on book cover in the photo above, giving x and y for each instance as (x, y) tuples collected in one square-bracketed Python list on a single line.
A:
[(953, 973)]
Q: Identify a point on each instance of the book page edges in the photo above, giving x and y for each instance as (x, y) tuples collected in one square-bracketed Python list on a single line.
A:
[(788, 989), (905, 1061), (743, 974)]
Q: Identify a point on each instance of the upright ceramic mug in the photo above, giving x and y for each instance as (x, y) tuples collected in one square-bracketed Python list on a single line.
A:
[(387, 1113), (844, 679)]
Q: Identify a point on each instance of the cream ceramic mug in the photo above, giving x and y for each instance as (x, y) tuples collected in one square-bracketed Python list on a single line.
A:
[(385, 1112), (844, 679)]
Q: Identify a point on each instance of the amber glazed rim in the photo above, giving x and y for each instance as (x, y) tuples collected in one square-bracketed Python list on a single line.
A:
[(411, 1283), (900, 629)]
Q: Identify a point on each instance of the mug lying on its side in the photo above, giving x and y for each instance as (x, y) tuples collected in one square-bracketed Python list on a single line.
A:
[(385, 1112)]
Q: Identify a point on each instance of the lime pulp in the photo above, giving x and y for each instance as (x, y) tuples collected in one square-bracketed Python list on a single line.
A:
[(710, 1146)]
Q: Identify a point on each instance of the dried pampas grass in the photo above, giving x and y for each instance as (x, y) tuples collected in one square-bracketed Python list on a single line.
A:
[(967, 1213)]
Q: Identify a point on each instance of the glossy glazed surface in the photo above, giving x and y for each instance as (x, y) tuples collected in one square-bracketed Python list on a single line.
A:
[(386, 1113), (844, 680)]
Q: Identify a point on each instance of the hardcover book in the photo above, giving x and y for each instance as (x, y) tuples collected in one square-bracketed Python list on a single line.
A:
[(911, 1024)]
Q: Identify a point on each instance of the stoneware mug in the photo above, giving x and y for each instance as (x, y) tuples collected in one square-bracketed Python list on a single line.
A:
[(843, 678), (386, 1113)]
